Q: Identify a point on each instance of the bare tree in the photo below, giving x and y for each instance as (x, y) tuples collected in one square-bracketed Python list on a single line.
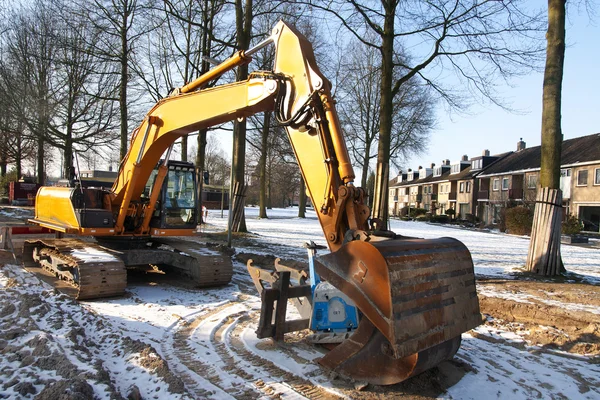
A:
[(479, 41), (544, 249), (31, 49), (15, 144), (359, 102), (216, 162), (84, 115), (122, 24)]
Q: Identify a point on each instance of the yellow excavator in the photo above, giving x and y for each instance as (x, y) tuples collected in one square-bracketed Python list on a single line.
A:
[(387, 306)]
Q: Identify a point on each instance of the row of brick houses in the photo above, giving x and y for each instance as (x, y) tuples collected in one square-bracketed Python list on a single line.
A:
[(481, 186)]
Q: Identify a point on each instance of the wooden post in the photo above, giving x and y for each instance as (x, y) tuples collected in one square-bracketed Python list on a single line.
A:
[(544, 249)]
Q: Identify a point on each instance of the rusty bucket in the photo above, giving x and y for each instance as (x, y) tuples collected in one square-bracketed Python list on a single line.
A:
[(416, 295)]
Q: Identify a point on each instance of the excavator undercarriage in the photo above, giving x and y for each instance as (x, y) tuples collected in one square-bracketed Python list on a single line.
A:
[(97, 270)]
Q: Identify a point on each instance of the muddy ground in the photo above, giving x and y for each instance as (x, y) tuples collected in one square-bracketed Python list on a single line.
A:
[(555, 317)]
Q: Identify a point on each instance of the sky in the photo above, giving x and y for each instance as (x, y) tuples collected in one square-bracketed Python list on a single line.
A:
[(497, 130)]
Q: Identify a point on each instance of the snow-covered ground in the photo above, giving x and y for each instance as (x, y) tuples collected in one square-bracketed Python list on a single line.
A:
[(494, 253), (207, 336)]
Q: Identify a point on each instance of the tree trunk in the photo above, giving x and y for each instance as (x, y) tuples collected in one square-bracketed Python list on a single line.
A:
[(262, 165), (200, 162), (40, 160), (184, 148), (243, 28), (123, 83), (269, 194), (544, 249), (380, 196), (302, 199), (365, 168)]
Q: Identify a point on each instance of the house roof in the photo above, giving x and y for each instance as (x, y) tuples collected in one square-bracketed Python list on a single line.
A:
[(577, 150), (464, 174)]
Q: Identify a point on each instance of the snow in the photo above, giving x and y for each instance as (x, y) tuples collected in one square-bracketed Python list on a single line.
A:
[(207, 336), (494, 254), (507, 372)]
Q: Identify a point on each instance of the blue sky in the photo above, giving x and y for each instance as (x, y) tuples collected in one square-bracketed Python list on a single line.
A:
[(499, 131)]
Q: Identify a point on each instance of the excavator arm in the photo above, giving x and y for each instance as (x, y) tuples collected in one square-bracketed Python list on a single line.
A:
[(300, 96)]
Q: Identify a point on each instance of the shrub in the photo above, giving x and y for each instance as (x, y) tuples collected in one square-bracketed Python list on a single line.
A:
[(571, 225), (441, 219), (451, 212), (423, 217), (518, 220), (472, 218), (415, 212)]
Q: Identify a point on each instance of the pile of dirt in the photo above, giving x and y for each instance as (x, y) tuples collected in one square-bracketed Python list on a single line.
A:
[(556, 316)]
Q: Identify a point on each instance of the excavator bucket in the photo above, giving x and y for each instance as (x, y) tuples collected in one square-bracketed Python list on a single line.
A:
[(417, 296)]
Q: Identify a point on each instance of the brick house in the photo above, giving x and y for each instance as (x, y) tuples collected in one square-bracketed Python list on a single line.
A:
[(515, 178), (486, 184)]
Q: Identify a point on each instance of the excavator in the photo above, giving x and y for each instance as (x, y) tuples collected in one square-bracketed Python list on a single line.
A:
[(386, 306)]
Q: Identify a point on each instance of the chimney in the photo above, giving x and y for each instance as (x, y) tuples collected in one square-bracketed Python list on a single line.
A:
[(420, 167), (432, 165), (521, 145), (446, 162), (409, 170), (110, 168), (486, 153), (465, 158)]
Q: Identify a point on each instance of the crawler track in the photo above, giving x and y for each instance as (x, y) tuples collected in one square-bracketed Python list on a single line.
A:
[(83, 270)]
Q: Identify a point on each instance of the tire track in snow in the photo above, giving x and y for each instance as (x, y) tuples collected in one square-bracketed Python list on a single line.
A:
[(199, 377), (268, 369)]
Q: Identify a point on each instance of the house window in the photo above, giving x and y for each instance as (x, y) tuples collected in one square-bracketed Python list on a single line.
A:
[(476, 164), (582, 177), (597, 176), (565, 173), (462, 187), (504, 183), (468, 187), (455, 169), (531, 181), (496, 185)]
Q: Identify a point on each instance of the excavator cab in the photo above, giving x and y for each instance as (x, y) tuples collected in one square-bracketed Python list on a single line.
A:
[(177, 205)]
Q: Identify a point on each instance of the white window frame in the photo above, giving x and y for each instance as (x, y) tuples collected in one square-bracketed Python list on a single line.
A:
[(507, 184), (529, 179), (461, 187), (496, 184), (596, 176), (468, 187), (586, 178)]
